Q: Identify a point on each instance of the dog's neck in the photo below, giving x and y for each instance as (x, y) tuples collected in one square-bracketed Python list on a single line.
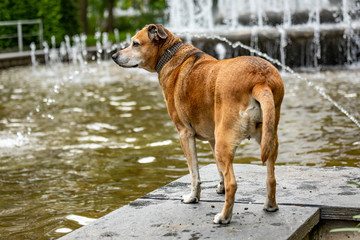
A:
[(169, 53)]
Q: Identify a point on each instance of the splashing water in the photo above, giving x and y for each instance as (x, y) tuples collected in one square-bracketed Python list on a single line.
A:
[(278, 63), (311, 25), (283, 44), (33, 57), (117, 39), (235, 15), (80, 47), (46, 52)]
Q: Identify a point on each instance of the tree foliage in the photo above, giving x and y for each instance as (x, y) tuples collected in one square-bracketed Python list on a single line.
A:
[(59, 17), (142, 5), (62, 17), (150, 11)]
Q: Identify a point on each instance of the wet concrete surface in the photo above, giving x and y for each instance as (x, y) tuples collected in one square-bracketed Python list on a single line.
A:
[(305, 196), (170, 219)]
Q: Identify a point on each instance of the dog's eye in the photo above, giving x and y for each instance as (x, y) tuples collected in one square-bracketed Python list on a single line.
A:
[(136, 44)]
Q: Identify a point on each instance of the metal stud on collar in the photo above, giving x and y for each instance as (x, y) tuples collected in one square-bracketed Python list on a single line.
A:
[(169, 53)]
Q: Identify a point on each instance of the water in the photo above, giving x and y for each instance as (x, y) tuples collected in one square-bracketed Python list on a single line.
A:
[(81, 141)]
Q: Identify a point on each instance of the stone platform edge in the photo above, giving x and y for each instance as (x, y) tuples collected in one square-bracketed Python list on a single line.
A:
[(306, 195)]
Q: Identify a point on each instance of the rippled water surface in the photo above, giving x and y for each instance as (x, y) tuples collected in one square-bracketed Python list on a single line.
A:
[(79, 142)]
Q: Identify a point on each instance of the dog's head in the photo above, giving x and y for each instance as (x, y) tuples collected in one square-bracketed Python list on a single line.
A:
[(146, 48)]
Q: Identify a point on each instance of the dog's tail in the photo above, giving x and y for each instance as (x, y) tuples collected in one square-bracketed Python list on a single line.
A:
[(264, 95)]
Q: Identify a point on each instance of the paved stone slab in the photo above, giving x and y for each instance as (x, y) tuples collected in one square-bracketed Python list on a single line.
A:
[(305, 195), (328, 188), (170, 219)]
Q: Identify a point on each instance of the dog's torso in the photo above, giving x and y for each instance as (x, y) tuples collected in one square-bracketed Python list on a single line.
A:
[(198, 87)]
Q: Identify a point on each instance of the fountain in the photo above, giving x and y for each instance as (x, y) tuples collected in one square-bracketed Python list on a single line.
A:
[(314, 20), (322, 32)]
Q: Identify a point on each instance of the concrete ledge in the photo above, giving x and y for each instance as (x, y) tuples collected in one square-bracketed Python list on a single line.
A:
[(157, 219), (306, 195), (328, 188)]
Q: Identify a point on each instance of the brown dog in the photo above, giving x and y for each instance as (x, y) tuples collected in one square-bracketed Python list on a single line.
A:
[(222, 102)]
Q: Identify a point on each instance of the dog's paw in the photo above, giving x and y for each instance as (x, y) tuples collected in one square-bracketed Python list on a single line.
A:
[(189, 199), (220, 189), (270, 207), (220, 219)]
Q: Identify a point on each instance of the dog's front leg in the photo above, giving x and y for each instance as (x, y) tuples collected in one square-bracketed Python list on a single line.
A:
[(187, 139)]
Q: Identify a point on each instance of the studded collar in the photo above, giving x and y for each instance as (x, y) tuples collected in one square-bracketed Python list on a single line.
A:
[(169, 53)]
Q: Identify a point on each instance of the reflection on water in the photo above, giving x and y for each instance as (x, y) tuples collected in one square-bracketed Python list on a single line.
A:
[(77, 143)]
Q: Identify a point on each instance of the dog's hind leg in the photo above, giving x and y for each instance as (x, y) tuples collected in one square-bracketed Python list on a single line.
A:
[(225, 146), (270, 203), (188, 144), (268, 139), (220, 188)]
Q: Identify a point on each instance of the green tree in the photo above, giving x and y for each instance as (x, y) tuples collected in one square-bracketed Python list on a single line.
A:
[(149, 9), (83, 9), (143, 4), (59, 17), (110, 18), (13, 10)]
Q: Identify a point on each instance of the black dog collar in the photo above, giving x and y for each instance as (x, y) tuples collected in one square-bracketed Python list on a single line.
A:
[(169, 53)]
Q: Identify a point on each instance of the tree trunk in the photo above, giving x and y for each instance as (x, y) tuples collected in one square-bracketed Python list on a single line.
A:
[(110, 20), (83, 5)]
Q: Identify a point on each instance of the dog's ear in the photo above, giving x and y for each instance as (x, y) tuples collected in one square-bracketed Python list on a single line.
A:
[(156, 32)]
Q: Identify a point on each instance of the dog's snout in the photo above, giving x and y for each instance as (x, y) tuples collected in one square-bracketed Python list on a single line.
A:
[(114, 56)]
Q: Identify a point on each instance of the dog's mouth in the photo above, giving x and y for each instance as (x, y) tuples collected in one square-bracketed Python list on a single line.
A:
[(126, 66), (134, 66)]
